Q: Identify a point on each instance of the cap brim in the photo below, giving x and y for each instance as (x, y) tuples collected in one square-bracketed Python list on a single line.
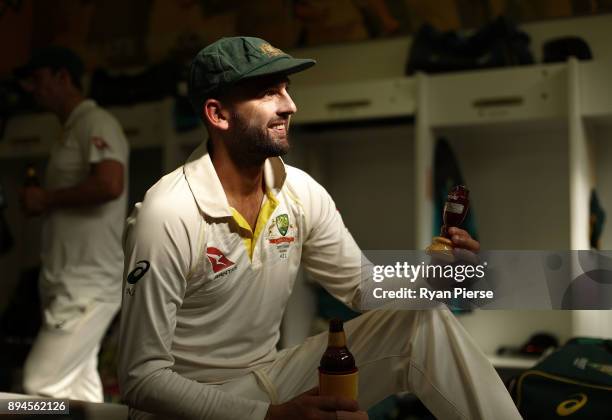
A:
[(282, 65)]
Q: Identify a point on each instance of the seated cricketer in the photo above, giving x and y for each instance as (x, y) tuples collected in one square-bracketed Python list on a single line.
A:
[(211, 256)]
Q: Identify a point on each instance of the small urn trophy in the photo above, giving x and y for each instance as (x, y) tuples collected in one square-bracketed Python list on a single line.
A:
[(455, 210)]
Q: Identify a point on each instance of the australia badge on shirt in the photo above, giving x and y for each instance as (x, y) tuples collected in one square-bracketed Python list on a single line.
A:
[(281, 234)]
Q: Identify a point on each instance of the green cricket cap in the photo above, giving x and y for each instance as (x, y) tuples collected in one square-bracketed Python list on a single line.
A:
[(228, 61)]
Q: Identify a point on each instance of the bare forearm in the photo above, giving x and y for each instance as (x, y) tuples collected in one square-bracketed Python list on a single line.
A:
[(104, 184), (91, 192)]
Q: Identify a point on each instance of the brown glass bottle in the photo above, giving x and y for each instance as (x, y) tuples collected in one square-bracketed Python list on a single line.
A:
[(31, 178), (338, 374), (455, 209)]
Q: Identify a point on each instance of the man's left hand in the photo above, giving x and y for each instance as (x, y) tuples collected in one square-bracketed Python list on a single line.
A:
[(462, 239)]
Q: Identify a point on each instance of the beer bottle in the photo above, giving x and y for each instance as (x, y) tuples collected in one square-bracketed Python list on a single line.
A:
[(338, 375), (455, 209), (31, 178)]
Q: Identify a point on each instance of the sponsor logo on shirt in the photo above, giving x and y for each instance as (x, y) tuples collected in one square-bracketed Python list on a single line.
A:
[(140, 270), (136, 274), (217, 259), (100, 143), (282, 240)]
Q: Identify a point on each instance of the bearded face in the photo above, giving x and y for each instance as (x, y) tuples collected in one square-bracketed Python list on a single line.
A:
[(259, 120), (260, 137)]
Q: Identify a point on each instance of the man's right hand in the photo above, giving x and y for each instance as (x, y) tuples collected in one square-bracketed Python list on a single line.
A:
[(312, 406)]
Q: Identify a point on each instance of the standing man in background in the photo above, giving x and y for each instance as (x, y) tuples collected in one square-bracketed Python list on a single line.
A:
[(83, 204)]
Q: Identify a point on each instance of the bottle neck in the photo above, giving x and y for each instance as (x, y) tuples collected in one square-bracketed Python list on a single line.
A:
[(336, 339)]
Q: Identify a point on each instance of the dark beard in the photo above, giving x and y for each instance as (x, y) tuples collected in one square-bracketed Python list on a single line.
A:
[(253, 144)]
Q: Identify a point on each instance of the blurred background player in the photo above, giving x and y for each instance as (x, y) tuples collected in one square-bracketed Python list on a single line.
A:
[(83, 204)]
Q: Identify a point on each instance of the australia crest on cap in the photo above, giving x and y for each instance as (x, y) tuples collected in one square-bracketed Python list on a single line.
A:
[(269, 50)]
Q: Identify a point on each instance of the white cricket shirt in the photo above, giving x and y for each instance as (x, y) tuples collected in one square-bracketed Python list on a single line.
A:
[(82, 257), (204, 296)]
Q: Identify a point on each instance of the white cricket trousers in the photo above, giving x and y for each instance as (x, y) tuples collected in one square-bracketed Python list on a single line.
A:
[(426, 352), (63, 362)]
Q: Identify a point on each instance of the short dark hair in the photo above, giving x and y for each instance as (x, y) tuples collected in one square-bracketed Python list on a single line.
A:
[(55, 58)]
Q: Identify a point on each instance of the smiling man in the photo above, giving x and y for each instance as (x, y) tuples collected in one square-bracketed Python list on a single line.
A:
[(211, 258)]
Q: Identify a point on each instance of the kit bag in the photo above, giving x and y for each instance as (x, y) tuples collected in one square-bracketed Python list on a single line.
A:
[(499, 43), (573, 382), (560, 49)]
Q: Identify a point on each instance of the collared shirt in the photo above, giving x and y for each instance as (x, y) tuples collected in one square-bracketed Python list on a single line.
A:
[(204, 295), (82, 259)]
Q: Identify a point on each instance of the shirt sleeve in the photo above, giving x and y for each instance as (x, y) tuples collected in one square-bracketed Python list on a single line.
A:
[(105, 139), (158, 256), (330, 254)]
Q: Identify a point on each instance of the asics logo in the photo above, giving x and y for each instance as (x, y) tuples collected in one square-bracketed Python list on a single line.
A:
[(572, 404), (140, 270)]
